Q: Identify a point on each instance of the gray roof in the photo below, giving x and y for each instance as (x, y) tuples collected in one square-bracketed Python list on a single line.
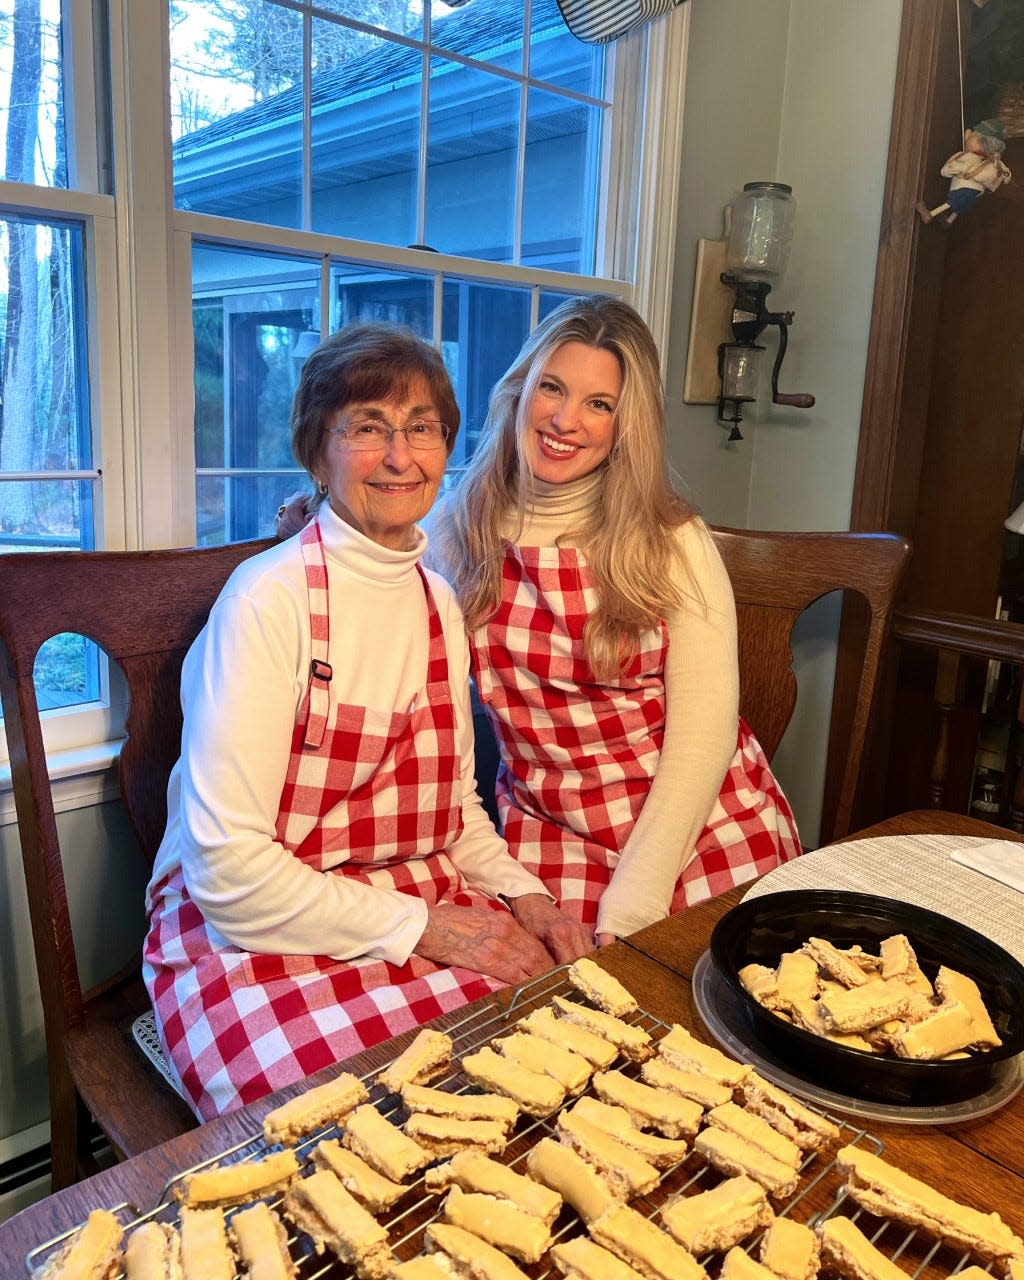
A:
[(487, 30)]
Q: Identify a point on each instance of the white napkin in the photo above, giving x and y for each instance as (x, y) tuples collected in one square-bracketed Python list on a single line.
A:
[(1002, 860)]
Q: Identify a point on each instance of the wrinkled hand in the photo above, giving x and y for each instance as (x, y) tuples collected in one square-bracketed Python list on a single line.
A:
[(292, 515), (606, 939), (563, 936), (490, 942)]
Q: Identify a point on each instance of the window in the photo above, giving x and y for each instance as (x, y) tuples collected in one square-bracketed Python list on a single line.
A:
[(460, 167), (255, 318), (473, 133), (47, 479), (474, 128), (50, 483)]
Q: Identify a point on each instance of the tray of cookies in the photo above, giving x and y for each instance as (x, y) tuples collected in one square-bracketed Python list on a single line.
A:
[(571, 1133)]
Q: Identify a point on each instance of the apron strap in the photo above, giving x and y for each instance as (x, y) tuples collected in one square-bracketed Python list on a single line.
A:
[(437, 661), (318, 692)]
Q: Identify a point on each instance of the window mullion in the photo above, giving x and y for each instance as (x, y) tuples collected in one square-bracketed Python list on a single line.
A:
[(155, 405), (326, 300), (650, 259), (437, 323), (80, 96), (215, 230), (517, 226), (307, 120), (422, 158), (524, 119)]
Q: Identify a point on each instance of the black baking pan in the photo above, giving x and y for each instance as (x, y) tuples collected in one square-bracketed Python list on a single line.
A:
[(760, 929)]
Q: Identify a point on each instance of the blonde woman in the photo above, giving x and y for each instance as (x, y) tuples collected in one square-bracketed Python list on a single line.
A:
[(603, 637)]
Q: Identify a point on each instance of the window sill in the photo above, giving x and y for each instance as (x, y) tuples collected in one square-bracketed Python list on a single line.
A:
[(79, 779)]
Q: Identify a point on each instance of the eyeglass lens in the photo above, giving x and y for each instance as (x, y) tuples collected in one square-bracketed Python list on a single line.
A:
[(366, 433)]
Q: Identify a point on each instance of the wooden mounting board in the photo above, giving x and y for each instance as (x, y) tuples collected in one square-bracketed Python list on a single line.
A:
[(710, 324)]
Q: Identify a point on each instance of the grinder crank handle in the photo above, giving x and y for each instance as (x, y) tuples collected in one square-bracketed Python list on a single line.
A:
[(798, 399)]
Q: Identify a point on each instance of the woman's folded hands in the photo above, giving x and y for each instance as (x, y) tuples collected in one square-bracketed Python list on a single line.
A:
[(565, 938), (512, 948)]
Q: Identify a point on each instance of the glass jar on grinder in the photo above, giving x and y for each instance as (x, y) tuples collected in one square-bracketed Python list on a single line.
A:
[(761, 231)]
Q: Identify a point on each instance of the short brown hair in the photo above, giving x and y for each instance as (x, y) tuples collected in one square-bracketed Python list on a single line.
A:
[(364, 362)]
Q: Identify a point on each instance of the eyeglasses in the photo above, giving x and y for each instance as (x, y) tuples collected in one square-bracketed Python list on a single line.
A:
[(373, 434)]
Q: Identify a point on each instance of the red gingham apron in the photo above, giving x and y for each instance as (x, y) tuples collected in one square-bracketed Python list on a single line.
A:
[(375, 796), (578, 755)]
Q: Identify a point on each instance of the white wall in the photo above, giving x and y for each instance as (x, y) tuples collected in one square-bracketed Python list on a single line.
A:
[(796, 91), (106, 880), (735, 80)]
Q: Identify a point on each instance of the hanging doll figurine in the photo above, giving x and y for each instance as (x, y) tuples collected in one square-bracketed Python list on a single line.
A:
[(976, 169)]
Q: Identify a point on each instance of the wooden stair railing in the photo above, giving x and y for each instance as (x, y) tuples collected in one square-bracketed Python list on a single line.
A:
[(957, 636)]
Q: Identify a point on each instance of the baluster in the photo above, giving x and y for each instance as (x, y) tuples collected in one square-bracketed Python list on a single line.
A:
[(947, 672), (1017, 797)]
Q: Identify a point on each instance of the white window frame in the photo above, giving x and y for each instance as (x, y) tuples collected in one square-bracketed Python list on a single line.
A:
[(82, 741), (83, 738), (140, 323)]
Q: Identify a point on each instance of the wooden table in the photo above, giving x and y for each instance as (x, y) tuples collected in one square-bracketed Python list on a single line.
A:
[(980, 1162)]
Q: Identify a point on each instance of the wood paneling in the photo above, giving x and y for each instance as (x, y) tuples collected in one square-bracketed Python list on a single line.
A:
[(943, 394)]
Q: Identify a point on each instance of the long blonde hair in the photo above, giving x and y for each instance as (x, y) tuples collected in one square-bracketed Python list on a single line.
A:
[(628, 539)]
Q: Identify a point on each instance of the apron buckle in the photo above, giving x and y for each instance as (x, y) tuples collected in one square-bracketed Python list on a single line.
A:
[(319, 670)]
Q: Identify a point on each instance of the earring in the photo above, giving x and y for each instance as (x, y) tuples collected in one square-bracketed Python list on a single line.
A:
[(321, 488)]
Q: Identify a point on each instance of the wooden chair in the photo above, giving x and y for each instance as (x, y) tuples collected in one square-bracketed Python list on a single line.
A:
[(144, 609), (775, 577)]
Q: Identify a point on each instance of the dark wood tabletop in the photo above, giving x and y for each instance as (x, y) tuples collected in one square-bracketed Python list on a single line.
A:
[(980, 1162)]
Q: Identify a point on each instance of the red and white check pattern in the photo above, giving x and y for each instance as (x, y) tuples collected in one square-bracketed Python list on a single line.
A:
[(378, 800), (578, 755)]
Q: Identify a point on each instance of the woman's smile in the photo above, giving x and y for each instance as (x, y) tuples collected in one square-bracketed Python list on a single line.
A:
[(564, 447)]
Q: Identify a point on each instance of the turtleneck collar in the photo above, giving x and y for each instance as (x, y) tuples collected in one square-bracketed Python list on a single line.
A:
[(545, 501), (360, 555)]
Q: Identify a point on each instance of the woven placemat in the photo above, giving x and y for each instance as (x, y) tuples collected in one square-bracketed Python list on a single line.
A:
[(915, 869)]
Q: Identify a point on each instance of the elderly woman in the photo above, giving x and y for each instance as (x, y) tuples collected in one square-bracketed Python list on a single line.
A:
[(328, 877)]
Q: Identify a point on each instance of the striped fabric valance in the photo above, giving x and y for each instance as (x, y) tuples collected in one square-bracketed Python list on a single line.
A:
[(598, 21)]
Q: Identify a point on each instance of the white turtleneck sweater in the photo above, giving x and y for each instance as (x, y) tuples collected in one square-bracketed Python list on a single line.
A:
[(701, 709), (243, 681)]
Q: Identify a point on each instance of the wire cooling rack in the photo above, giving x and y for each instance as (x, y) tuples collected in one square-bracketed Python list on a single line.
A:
[(406, 1221)]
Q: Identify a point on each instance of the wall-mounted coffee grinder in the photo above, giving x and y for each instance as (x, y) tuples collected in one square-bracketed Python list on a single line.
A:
[(759, 237)]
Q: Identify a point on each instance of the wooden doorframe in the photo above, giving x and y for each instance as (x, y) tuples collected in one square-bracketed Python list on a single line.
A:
[(908, 281)]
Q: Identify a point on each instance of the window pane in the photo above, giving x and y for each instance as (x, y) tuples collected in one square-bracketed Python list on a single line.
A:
[(558, 58), (366, 139), (236, 111), (45, 424), (66, 672), (32, 139), (399, 16), (487, 30), (548, 302), (563, 148), (363, 294), (484, 327), (471, 159), (53, 515), (234, 508), (251, 312)]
